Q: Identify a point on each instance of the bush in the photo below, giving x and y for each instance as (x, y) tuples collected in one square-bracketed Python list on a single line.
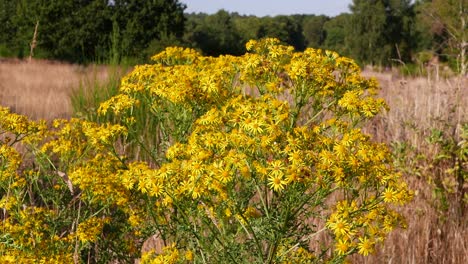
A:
[(256, 158)]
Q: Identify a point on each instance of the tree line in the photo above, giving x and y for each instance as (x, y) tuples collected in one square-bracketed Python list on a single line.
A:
[(378, 32), (87, 30)]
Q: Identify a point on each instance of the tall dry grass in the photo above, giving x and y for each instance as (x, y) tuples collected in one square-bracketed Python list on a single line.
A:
[(42, 89), (418, 105), (419, 102)]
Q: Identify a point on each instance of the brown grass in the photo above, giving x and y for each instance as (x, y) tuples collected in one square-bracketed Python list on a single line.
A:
[(41, 89), (416, 106), (418, 103)]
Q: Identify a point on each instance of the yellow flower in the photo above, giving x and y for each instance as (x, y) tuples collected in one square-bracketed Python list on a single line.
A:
[(276, 182), (276, 169), (365, 246), (340, 227), (252, 212), (255, 126), (390, 195), (197, 168), (342, 246), (296, 158), (196, 192), (350, 100), (155, 188), (189, 255), (250, 45), (225, 175), (89, 230), (340, 150), (228, 212)]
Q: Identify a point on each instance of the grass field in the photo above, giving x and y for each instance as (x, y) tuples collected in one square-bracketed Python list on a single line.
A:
[(42, 89)]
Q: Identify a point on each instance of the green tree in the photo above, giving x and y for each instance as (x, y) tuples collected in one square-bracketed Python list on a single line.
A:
[(248, 27), (214, 34), (335, 33), (68, 30), (284, 28), (140, 22), (313, 30), (365, 33), (88, 30), (18, 26), (7, 33), (379, 30), (447, 20), (92, 38), (423, 29)]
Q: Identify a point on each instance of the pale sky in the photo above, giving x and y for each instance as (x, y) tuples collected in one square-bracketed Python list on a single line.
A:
[(269, 7)]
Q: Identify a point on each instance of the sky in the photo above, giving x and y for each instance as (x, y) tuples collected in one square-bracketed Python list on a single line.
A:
[(269, 7)]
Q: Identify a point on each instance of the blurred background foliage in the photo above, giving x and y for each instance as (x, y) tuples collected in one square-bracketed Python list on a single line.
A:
[(375, 32)]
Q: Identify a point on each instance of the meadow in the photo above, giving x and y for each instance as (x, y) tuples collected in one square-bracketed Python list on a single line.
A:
[(42, 89), (421, 108)]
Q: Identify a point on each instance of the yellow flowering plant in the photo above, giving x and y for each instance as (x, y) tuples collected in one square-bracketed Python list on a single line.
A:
[(264, 151), (60, 194), (249, 159)]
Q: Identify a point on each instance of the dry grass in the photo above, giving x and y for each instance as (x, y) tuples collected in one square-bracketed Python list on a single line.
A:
[(427, 239), (416, 106), (419, 103), (41, 89)]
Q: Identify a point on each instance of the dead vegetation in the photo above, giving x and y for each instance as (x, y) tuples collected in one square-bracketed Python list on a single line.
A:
[(41, 89)]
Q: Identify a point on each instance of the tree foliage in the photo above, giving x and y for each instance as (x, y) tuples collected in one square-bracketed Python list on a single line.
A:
[(83, 31), (378, 31), (314, 31), (214, 35), (444, 23), (335, 30)]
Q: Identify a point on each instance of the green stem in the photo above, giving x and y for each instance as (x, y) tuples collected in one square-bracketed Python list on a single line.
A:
[(281, 234), (214, 231), (319, 112), (265, 207), (299, 208), (257, 242), (303, 240)]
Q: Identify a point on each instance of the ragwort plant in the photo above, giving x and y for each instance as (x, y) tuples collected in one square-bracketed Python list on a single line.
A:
[(49, 216), (260, 146), (251, 159)]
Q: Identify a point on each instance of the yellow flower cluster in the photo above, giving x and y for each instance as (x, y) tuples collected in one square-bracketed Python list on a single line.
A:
[(10, 161), (169, 255), (16, 124), (28, 238), (244, 152), (89, 230), (15, 128), (74, 174), (176, 55), (269, 123), (361, 231)]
